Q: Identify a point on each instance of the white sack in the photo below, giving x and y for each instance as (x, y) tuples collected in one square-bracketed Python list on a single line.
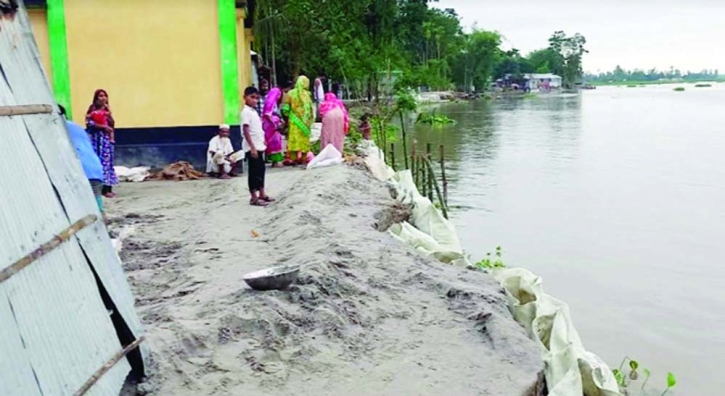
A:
[(329, 156)]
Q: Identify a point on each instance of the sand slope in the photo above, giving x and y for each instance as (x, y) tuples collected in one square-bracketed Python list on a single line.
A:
[(367, 316)]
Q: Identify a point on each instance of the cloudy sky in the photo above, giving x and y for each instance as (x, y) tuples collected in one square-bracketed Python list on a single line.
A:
[(687, 34)]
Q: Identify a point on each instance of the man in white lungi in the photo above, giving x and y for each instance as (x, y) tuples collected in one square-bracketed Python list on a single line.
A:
[(219, 159)]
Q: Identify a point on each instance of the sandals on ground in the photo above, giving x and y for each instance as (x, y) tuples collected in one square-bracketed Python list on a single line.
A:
[(267, 199), (259, 202)]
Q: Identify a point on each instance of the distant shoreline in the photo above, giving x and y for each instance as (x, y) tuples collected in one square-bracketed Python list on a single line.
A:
[(658, 82)]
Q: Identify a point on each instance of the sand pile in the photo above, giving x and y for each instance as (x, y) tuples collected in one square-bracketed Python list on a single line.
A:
[(367, 316), (178, 171)]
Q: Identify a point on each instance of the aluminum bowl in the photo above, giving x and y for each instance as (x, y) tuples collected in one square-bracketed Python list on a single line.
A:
[(275, 278)]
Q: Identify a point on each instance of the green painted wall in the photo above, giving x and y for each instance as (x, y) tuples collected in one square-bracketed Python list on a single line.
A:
[(58, 47), (229, 63)]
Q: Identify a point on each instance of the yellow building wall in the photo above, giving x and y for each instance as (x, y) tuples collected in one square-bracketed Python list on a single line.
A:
[(39, 22), (244, 57), (159, 60)]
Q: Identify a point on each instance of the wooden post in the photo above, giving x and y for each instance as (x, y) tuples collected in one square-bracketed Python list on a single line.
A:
[(392, 156), (443, 174), (413, 165), (43, 249), (429, 189), (384, 136), (423, 175), (405, 139), (109, 365), (444, 207)]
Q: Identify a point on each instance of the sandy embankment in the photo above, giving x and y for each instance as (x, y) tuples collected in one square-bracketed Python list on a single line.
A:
[(367, 316)]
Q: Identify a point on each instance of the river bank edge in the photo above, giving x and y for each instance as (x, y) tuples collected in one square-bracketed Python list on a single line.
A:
[(211, 334)]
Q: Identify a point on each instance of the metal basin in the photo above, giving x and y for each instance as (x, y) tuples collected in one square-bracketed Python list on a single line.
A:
[(275, 278)]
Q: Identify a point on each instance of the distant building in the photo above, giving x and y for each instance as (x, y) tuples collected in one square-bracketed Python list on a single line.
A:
[(174, 69), (545, 81)]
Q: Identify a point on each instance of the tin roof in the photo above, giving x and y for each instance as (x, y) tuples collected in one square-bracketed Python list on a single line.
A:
[(55, 331)]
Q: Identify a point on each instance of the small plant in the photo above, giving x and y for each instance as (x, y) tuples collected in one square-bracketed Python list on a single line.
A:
[(679, 89), (492, 261), (647, 374), (633, 365), (671, 382), (627, 381), (434, 119)]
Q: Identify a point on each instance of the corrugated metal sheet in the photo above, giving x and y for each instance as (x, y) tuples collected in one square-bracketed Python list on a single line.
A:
[(55, 331)]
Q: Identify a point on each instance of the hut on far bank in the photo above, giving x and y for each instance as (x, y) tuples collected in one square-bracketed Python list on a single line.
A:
[(67, 319)]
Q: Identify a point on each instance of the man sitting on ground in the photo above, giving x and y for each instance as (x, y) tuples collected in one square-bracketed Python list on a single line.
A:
[(219, 155)]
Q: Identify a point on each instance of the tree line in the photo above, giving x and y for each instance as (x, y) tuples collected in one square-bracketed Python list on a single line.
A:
[(620, 75), (364, 43)]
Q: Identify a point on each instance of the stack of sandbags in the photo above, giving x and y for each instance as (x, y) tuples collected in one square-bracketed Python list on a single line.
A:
[(178, 171)]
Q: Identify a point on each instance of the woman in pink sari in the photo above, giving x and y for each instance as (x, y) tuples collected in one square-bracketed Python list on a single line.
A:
[(335, 122), (272, 123)]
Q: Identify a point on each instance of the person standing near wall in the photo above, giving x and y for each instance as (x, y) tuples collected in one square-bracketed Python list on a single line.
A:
[(254, 146), (272, 124), (89, 160), (102, 138), (298, 109), (335, 122)]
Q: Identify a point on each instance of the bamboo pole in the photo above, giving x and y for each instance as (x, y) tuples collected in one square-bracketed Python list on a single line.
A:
[(444, 207), (413, 165), (392, 155), (107, 366), (422, 175), (384, 134), (57, 240), (443, 174), (429, 190), (15, 110), (405, 139)]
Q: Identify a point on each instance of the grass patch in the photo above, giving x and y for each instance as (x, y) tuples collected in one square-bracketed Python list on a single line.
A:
[(679, 89), (434, 119), (703, 85)]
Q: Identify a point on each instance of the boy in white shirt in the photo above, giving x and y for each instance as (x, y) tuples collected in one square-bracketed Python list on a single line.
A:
[(253, 144), (218, 155)]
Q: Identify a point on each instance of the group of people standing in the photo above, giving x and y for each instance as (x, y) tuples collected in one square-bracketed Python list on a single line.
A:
[(291, 110), (266, 118), (294, 110)]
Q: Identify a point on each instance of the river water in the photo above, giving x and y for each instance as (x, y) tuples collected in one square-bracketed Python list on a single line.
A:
[(616, 197)]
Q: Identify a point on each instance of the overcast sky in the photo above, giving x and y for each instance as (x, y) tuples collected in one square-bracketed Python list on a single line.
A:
[(687, 34)]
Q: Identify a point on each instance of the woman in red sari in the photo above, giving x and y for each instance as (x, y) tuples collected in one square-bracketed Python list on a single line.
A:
[(100, 126)]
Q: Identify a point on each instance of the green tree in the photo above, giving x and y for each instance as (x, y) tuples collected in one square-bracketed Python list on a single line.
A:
[(476, 60), (567, 56)]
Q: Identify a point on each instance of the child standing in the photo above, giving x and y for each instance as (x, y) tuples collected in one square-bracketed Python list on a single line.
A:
[(253, 144), (364, 127), (99, 117)]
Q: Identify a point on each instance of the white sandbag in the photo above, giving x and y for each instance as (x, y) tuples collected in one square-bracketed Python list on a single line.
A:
[(426, 244), (426, 217), (329, 156), (117, 242), (375, 161), (570, 369), (136, 174)]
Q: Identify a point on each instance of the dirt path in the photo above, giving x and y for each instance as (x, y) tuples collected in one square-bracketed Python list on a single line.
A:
[(367, 316)]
